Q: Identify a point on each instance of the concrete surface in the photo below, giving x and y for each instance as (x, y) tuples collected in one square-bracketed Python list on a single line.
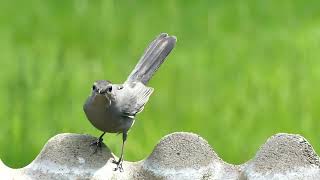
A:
[(177, 156)]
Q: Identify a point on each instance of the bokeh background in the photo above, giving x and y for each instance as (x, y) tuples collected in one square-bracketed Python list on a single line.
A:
[(241, 71)]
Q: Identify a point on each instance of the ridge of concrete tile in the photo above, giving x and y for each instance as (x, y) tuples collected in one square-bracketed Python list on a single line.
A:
[(284, 156)]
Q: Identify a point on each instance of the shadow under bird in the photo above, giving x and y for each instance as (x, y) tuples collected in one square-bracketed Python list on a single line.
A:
[(112, 108)]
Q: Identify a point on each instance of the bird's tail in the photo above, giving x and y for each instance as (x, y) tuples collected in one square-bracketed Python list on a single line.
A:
[(152, 58)]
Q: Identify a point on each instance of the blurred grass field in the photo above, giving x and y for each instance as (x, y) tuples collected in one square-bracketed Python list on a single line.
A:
[(241, 71)]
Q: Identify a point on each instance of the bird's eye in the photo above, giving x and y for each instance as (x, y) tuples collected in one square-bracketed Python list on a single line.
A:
[(109, 88), (94, 87)]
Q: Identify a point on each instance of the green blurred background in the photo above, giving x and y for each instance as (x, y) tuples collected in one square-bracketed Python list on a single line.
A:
[(241, 71)]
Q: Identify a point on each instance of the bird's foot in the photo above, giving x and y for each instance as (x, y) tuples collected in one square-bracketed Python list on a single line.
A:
[(119, 164), (98, 144)]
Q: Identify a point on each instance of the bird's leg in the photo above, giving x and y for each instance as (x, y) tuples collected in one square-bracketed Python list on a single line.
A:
[(98, 143), (119, 162)]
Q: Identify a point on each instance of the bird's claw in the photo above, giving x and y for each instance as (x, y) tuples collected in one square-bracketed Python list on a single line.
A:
[(98, 144), (119, 165)]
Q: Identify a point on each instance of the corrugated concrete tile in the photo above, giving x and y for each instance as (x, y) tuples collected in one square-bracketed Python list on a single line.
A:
[(177, 156)]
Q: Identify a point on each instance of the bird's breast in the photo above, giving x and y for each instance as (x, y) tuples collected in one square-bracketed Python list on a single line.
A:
[(103, 117)]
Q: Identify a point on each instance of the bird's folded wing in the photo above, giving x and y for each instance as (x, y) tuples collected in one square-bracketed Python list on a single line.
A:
[(133, 98)]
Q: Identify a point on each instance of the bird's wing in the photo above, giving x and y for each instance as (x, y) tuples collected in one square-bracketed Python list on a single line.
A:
[(132, 98)]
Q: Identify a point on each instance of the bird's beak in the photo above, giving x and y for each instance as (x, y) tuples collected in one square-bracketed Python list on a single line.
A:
[(102, 91)]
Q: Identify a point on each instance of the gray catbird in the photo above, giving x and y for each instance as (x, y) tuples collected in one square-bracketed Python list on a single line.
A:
[(112, 107)]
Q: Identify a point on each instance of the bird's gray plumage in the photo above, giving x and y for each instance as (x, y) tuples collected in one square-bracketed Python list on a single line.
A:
[(152, 58), (112, 107), (132, 98)]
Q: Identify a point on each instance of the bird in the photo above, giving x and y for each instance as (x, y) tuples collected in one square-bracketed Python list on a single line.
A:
[(112, 108)]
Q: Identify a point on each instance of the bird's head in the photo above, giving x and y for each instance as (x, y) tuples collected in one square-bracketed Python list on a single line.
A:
[(102, 87)]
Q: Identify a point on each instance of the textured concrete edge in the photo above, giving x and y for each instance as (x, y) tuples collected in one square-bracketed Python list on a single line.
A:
[(178, 155)]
